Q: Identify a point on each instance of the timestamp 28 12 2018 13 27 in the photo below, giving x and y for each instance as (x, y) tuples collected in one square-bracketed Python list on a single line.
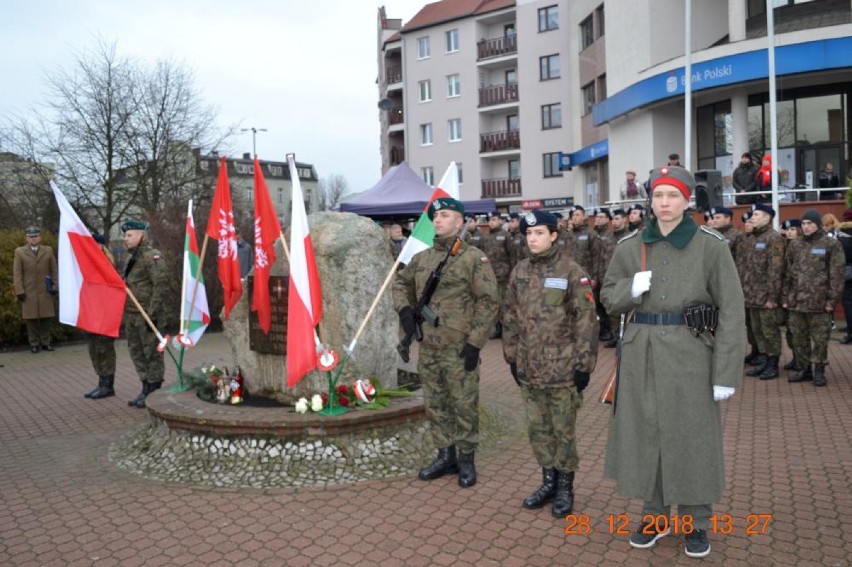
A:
[(619, 524)]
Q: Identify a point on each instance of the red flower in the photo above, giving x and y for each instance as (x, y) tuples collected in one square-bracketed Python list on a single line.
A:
[(324, 397), (343, 401)]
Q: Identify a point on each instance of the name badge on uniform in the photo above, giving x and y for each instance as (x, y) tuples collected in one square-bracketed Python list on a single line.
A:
[(760, 246), (583, 237), (556, 283), (501, 238), (475, 238), (818, 252)]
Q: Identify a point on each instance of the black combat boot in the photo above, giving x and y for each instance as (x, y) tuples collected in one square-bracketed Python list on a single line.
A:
[(544, 493), (97, 389), (803, 375), (819, 375), (106, 389), (759, 366), (563, 501), (445, 463), (750, 357), (770, 371), (147, 388), (792, 365), (467, 470)]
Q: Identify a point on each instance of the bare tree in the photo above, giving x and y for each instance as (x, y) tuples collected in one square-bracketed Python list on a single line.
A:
[(332, 189)]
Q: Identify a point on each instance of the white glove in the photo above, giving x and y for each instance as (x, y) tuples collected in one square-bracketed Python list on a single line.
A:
[(641, 283), (722, 393)]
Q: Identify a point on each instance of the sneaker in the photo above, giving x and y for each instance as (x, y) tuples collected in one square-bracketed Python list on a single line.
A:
[(697, 544), (643, 538)]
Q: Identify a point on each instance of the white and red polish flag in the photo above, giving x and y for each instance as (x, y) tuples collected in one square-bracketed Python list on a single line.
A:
[(424, 231), (220, 226), (91, 293), (304, 301), (267, 229)]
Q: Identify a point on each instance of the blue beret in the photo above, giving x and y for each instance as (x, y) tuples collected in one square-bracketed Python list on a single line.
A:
[(514, 216), (133, 224), (792, 223), (538, 217), (722, 211), (765, 208), (620, 212), (603, 211), (444, 203), (636, 207), (99, 238)]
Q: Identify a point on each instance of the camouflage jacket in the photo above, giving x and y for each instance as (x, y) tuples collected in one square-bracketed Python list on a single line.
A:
[(731, 235), (584, 248), (147, 276), (607, 240), (465, 301), (497, 246), (762, 268), (813, 277), (518, 248), (550, 328), (474, 238)]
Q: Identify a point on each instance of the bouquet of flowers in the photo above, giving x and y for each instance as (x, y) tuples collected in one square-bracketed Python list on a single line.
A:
[(363, 394)]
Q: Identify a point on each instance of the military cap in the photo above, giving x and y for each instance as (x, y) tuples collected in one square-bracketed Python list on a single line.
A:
[(33, 231), (619, 212), (445, 203), (792, 223), (492, 214), (514, 216), (636, 207), (538, 217), (813, 216), (99, 238), (603, 211), (557, 214), (722, 211), (133, 224), (765, 208), (675, 176)]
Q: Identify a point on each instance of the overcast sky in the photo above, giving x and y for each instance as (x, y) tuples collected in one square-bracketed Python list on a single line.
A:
[(305, 70)]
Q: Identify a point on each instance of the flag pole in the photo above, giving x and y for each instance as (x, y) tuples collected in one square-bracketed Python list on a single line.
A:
[(183, 284), (369, 314)]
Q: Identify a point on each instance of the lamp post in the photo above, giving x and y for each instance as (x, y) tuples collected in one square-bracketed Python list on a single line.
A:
[(254, 132)]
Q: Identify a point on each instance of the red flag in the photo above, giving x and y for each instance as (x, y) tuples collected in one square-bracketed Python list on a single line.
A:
[(220, 227), (266, 230), (304, 302)]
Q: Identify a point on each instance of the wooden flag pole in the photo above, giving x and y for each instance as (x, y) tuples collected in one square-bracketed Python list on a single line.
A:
[(373, 306), (144, 314)]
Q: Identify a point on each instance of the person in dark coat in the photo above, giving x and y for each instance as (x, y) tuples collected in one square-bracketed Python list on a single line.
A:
[(665, 435), (745, 180)]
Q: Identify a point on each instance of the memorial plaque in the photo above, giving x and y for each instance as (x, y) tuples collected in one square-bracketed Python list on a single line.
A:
[(276, 341)]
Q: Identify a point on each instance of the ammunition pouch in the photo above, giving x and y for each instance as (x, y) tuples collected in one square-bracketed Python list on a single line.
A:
[(701, 317)]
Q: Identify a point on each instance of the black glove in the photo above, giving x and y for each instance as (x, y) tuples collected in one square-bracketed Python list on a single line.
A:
[(581, 380), (406, 320), (470, 354), (22, 297), (513, 368)]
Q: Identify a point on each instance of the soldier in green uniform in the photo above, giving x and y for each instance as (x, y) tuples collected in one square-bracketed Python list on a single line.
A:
[(34, 274), (498, 247), (813, 284), (146, 276), (722, 223), (583, 244), (762, 273), (466, 305), (606, 246), (791, 229), (102, 348), (665, 435), (550, 340), (518, 242)]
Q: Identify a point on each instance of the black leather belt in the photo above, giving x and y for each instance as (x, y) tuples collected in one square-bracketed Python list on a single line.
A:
[(659, 318)]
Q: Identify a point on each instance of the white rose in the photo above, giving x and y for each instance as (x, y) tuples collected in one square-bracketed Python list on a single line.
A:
[(316, 402), (302, 406)]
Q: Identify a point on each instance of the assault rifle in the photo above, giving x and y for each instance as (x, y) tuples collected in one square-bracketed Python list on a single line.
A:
[(422, 311)]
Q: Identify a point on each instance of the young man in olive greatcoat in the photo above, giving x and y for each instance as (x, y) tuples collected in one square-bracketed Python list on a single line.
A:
[(550, 339), (34, 274), (146, 276), (665, 436), (465, 303), (813, 284)]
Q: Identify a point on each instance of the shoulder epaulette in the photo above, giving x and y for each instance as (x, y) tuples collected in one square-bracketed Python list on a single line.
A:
[(712, 232), (631, 235)]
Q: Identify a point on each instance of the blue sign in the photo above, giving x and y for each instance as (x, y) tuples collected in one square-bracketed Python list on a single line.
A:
[(589, 153), (732, 69)]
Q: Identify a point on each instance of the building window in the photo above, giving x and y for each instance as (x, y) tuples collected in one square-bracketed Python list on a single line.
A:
[(452, 41), (511, 77), (512, 124), (599, 13), (587, 33), (551, 165), (549, 67), (514, 169), (423, 51), (548, 18), (454, 130), (551, 116), (453, 85), (428, 175), (425, 89), (588, 98), (426, 134), (601, 88)]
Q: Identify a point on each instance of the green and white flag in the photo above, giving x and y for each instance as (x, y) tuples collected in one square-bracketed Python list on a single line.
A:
[(424, 233), (195, 313)]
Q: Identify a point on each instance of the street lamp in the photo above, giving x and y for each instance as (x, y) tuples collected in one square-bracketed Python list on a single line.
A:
[(254, 132)]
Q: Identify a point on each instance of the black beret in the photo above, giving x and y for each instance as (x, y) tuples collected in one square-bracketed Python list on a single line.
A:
[(133, 224), (538, 217), (619, 212), (722, 211), (99, 238), (792, 223), (603, 211), (636, 207), (514, 216), (557, 214), (444, 203), (577, 208), (765, 208)]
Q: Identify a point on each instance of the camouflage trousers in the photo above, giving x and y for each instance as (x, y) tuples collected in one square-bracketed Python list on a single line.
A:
[(102, 354), (451, 398), (766, 325), (810, 328), (788, 335), (551, 418), (38, 331), (142, 344), (749, 329)]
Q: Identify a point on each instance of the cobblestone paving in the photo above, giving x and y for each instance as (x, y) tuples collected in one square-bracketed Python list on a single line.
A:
[(62, 502)]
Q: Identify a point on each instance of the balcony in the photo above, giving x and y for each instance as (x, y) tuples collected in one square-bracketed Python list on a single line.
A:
[(500, 141), (393, 74), (498, 94), (497, 47), (504, 187), (395, 116), (397, 155)]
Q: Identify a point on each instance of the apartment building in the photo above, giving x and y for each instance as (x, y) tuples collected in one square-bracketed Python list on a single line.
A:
[(544, 103)]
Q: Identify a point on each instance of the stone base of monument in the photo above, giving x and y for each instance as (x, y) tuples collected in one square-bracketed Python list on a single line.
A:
[(192, 441)]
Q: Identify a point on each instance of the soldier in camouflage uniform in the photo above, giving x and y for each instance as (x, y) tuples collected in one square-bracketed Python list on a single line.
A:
[(466, 305), (146, 276), (813, 284), (102, 348), (474, 235), (518, 242), (550, 342), (564, 229), (791, 230), (498, 247), (761, 277), (583, 244), (722, 223), (606, 246), (741, 249), (636, 216)]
